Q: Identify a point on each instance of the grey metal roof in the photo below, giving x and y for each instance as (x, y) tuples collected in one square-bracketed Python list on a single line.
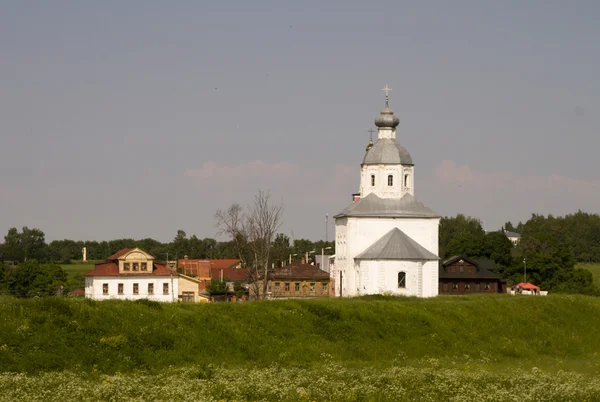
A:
[(511, 234), (373, 206), (396, 245), (387, 151)]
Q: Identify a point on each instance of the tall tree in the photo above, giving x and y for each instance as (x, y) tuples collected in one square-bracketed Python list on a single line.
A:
[(253, 230)]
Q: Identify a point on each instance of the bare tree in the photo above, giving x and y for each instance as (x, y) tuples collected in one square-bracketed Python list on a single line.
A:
[(255, 229), (231, 223)]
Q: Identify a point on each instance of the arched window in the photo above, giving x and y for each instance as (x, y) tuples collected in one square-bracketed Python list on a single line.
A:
[(372, 180), (405, 180), (390, 180), (401, 279)]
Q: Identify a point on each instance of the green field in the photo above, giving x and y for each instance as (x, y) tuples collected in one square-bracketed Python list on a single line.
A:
[(495, 347), (594, 268), (77, 268)]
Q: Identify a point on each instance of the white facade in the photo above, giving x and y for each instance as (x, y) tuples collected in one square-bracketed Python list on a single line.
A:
[(107, 287), (387, 174)]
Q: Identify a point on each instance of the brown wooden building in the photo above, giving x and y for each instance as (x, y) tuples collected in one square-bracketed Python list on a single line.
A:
[(296, 280), (460, 275)]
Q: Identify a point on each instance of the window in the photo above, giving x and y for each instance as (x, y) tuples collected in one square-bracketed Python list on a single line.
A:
[(454, 287), (390, 180), (105, 288), (120, 288), (401, 279), (126, 266), (461, 267), (276, 285), (405, 180), (325, 287), (136, 289), (467, 287), (150, 288), (144, 266), (136, 266), (188, 297), (297, 286), (165, 288), (372, 180), (287, 287), (312, 287), (486, 287)]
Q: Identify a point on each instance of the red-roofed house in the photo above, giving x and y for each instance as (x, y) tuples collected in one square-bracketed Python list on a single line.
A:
[(131, 274)]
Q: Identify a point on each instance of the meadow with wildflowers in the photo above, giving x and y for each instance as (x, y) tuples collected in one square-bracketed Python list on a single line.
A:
[(372, 348)]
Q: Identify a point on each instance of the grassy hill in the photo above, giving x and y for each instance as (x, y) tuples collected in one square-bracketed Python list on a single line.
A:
[(366, 348), (78, 268)]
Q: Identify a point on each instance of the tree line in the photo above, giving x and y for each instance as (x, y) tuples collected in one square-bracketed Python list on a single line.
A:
[(27, 244), (548, 250)]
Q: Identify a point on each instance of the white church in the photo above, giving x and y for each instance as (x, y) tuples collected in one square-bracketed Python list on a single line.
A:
[(386, 241)]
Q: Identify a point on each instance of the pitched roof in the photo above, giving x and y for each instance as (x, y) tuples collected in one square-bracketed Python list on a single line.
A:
[(371, 205), (215, 263), (511, 234), (199, 268), (481, 273), (119, 253), (396, 245), (229, 274), (112, 269), (298, 271), (528, 285)]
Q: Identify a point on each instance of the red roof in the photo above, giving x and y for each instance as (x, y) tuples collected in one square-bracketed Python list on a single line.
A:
[(528, 286), (199, 268), (112, 269), (229, 274), (224, 263), (298, 271), (119, 253)]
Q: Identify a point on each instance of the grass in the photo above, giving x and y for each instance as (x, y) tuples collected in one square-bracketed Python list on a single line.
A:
[(594, 268), (371, 348), (78, 268)]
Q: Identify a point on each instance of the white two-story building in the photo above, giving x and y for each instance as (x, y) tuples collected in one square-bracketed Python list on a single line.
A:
[(132, 274)]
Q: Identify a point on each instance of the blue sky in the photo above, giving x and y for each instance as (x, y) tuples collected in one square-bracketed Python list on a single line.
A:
[(135, 119)]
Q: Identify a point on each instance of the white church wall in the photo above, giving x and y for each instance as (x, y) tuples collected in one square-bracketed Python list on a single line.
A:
[(381, 276), (431, 281), (94, 288), (361, 233), (381, 187)]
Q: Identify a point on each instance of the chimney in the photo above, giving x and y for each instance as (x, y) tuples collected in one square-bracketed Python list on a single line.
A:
[(355, 197)]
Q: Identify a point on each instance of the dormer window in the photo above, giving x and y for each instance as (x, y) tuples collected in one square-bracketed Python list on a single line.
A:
[(136, 266), (390, 180), (126, 267), (144, 266), (372, 180)]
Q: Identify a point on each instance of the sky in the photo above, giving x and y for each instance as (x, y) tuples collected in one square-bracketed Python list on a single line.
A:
[(135, 119)]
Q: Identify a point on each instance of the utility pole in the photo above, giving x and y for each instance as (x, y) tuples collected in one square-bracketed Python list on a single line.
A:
[(326, 228)]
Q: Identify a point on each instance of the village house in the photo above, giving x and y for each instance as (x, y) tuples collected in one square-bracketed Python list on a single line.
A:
[(460, 275), (296, 280), (131, 274)]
